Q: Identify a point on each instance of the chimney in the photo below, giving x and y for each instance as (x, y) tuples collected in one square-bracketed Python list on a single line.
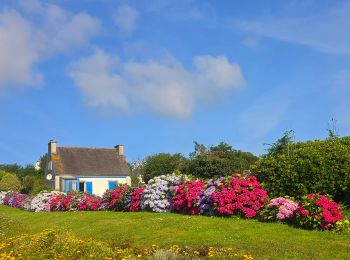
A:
[(52, 147), (120, 149)]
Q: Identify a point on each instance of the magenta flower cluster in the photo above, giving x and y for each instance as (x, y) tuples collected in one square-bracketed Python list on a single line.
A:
[(230, 196)]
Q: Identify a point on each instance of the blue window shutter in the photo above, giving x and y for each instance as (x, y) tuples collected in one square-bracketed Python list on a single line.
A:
[(66, 188), (112, 184), (89, 187)]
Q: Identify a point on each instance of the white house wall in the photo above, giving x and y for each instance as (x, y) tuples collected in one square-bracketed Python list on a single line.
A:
[(101, 184)]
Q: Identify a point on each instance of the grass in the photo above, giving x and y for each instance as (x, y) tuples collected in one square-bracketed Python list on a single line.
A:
[(262, 240)]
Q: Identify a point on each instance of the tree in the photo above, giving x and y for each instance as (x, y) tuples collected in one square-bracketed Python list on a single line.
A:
[(282, 143), (2, 174), (219, 160), (164, 163), (320, 166), (10, 182), (43, 163), (137, 170)]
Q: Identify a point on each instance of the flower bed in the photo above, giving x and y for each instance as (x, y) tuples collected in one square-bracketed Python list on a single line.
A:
[(41, 202), (186, 196), (318, 211), (232, 196), (241, 197)]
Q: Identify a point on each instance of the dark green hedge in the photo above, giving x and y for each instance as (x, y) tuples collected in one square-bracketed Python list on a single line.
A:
[(308, 167)]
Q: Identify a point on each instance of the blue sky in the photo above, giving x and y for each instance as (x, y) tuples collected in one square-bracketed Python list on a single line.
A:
[(158, 75)]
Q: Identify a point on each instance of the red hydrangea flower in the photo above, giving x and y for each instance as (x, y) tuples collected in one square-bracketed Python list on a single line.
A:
[(239, 197)]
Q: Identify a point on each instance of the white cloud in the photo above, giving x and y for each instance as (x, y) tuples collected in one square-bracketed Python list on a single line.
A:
[(164, 86), (18, 50), (325, 30), (24, 43), (126, 18)]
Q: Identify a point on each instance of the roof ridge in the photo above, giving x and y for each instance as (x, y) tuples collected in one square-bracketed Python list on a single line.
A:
[(84, 147)]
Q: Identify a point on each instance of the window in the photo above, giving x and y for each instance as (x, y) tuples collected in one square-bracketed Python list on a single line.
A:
[(50, 165), (112, 184), (81, 186), (71, 185)]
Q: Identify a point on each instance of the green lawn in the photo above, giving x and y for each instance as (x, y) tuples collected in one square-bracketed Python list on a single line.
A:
[(262, 240)]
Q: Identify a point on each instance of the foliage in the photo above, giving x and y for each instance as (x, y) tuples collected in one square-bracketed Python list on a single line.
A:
[(137, 171), (117, 199), (233, 196), (10, 182), (20, 171), (240, 197), (2, 173), (61, 244), (164, 163), (41, 201), (279, 209), (157, 194), (220, 160), (186, 196), (142, 229), (17, 200), (2, 196), (90, 202), (318, 211), (52, 244), (308, 167), (135, 199), (66, 202), (32, 180), (204, 201), (281, 144), (33, 184)]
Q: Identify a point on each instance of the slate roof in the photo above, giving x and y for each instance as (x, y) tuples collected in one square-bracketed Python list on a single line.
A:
[(84, 161)]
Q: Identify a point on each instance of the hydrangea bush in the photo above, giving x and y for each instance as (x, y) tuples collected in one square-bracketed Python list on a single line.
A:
[(239, 197), (204, 202), (230, 196), (157, 194), (318, 212), (135, 199), (279, 209), (17, 200), (186, 196), (117, 199), (90, 202), (41, 202), (2, 196)]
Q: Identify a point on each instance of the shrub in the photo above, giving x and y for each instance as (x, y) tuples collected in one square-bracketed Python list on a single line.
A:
[(2, 196), (60, 244), (318, 211), (90, 202), (220, 160), (157, 194), (41, 202), (135, 199), (163, 163), (186, 196), (308, 167), (279, 209), (66, 202), (17, 200), (53, 244), (204, 203), (10, 182), (240, 197), (117, 199)]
